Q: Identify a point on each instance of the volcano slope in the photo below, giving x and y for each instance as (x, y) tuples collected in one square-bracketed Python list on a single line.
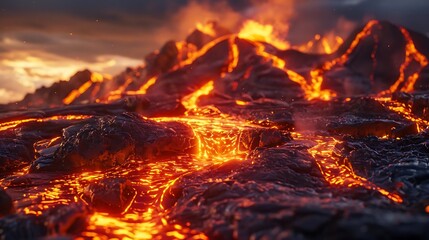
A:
[(226, 136)]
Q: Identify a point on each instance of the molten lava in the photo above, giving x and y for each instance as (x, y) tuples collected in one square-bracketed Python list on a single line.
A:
[(337, 173), (258, 32), (95, 77), (190, 101)]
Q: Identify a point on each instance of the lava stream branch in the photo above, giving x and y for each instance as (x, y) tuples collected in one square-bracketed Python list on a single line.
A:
[(405, 111), (337, 172)]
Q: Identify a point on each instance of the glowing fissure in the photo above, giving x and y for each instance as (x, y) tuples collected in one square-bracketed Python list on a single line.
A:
[(190, 101), (233, 55), (403, 110), (335, 172), (318, 73), (411, 54), (77, 92), (207, 28), (311, 91), (321, 45), (116, 94), (143, 89), (11, 124), (203, 50), (95, 78), (217, 135), (149, 223), (258, 32)]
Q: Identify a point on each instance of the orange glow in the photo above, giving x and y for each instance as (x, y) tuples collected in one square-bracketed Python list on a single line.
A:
[(326, 46), (312, 91), (411, 54), (77, 92), (202, 51), (337, 173), (116, 94), (186, 51), (190, 101), (241, 103), (218, 138), (405, 111), (143, 89), (11, 124), (207, 28), (322, 45), (317, 74), (255, 31), (233, 55), (95, 77)]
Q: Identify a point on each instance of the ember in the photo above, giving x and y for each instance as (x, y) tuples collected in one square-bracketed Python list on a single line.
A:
[(227, 135)]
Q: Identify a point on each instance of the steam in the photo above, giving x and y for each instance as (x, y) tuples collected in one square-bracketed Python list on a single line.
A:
[(278, 13), (185, 19), (274, 12), (343, 27)]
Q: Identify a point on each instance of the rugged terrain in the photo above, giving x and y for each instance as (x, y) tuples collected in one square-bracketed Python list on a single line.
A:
[(228, 136)]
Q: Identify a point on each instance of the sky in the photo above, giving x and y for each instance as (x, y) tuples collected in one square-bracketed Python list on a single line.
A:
[(43, 41)]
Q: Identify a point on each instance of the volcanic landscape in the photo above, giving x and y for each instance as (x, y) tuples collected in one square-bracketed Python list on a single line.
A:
[(228, 136)]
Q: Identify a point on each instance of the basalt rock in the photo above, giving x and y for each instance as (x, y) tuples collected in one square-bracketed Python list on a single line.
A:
[(6, 204), (109, 141), (110, 195), (59, 221)]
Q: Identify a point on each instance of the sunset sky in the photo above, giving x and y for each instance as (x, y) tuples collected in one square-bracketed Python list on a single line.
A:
[(43, 41)]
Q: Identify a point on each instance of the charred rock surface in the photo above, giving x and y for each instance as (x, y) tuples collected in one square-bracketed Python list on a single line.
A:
[(105, 142), (110, 195), (60, 221), (6, 204), (18, 144), (279, 193), (397, 164)]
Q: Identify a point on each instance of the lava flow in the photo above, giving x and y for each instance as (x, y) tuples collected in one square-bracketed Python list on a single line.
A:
[(228, 135)]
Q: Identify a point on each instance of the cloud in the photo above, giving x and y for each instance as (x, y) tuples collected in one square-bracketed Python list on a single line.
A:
[(180, 23), (8, 96), (24, 71)]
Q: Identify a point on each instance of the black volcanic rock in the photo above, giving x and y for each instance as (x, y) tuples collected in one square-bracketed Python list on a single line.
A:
[(17, 145), (109, 141), (199, 38), (163, 61), (403, 166), (375, 63), (6, 204), (112, 195), (55, 94), (62, 220)]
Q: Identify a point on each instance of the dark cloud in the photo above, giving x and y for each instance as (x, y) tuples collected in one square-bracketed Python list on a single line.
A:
[(119, 26)]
